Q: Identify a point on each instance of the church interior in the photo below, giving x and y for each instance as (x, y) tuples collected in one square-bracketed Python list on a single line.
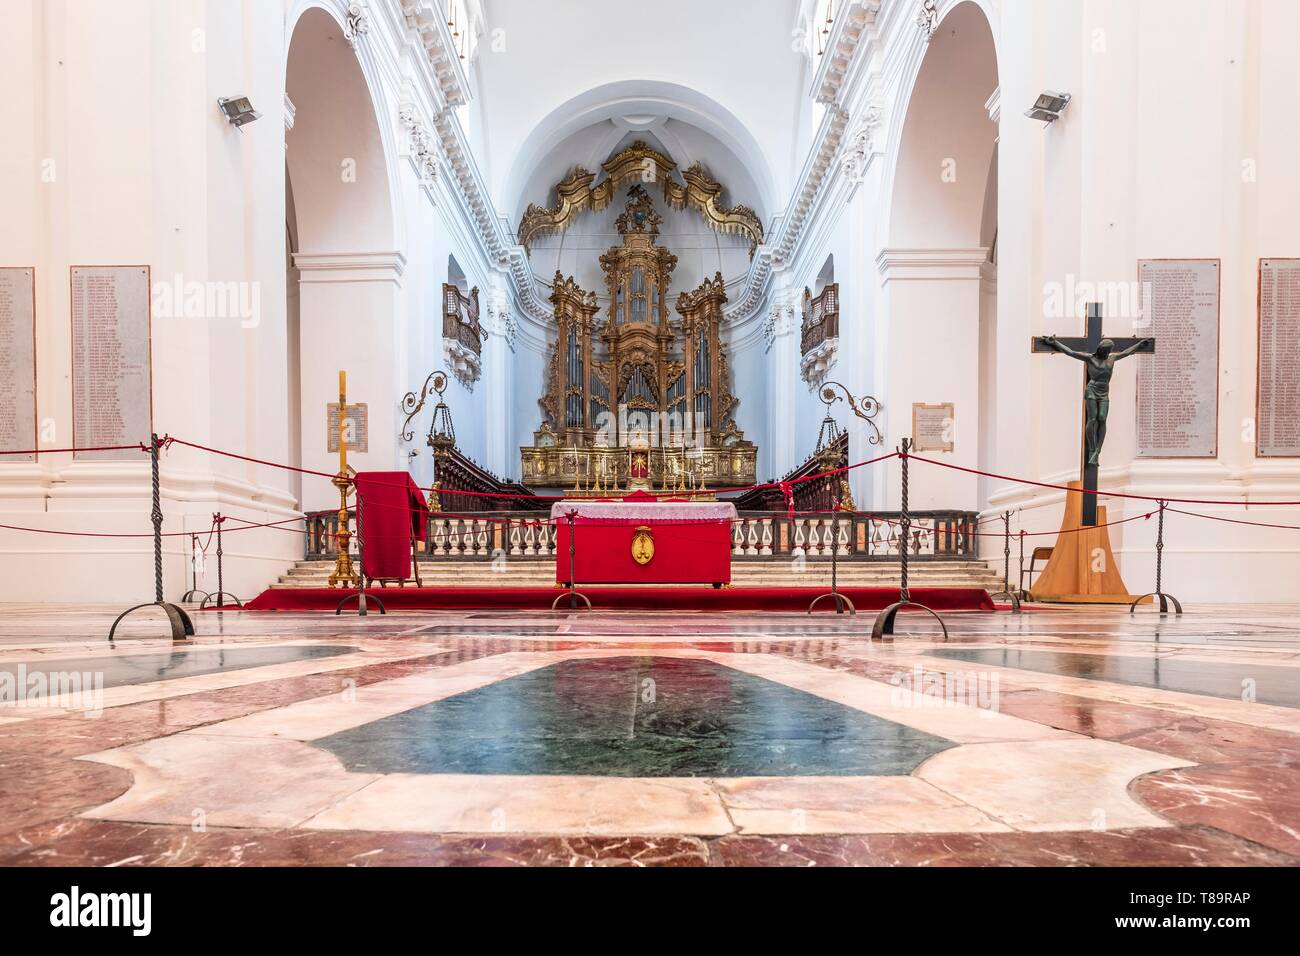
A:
[(711, 433)]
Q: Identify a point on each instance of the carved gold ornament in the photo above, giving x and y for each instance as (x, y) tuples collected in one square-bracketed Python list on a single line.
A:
[(643, 545), (575, 194)]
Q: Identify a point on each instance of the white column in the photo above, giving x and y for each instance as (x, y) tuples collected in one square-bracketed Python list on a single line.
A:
[(497, 382), (349, 304), (782, 379), (930, 304)]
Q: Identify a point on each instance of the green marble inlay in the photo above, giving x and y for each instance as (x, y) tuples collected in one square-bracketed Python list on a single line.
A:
[(635, 717), (1227, 679), (123, 669)]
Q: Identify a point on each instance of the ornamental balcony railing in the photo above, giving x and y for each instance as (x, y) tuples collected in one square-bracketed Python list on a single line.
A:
[(821, 318), (755, 536), (460, 318)]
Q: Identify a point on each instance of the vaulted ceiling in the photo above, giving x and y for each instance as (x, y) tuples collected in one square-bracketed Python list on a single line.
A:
[(565, 82)]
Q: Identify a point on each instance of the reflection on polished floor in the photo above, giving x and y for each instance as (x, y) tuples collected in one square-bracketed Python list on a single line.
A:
[(1059, 736)]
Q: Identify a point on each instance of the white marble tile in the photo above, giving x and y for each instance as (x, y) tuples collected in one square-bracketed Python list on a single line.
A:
[(1079, 784)]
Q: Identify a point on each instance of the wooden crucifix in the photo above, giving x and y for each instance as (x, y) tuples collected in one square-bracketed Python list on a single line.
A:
[(1099, 355)]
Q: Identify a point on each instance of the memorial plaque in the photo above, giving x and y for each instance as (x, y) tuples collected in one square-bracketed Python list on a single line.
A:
[(1178, 386), (1278, 400), (356, 419), (17, 363), (111, 374), (933, 426)]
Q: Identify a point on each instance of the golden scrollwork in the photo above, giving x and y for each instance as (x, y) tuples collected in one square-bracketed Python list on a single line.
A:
[(576, 194)]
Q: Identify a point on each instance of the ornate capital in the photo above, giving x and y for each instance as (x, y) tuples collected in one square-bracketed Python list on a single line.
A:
[(782, 316), (863, 144), (499, 318), (927, 19), (423, 144), (356, 23)]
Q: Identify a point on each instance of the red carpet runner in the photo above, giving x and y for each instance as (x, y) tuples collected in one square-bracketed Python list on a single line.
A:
[(622, 598)]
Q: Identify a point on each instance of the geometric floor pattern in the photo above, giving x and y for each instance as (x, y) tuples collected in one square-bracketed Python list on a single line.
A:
[(1061, 736)]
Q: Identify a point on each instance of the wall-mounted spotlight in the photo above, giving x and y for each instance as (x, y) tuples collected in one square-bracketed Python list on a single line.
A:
[(239, 111), (1048, 107)]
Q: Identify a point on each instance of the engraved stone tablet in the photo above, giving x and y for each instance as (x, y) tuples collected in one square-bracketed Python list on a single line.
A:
[(1178, 387), (933, 426), (111, 385), (1278, 414), (356, 419), (17, 363)]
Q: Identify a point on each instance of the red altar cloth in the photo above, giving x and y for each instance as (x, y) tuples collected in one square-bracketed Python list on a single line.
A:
[(691, 541), (392, 508)]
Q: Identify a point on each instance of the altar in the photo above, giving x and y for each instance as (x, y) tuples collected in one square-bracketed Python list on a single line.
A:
[(644, 541)]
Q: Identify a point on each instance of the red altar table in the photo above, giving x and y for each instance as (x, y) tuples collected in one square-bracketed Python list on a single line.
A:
[(393, 511), (644, 541)]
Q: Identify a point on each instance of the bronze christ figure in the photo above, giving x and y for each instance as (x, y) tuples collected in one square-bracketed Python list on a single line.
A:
[(1100, 366)]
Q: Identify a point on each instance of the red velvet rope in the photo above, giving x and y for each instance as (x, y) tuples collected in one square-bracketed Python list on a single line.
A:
[(139, 446), (786, 489), (1089, 491)]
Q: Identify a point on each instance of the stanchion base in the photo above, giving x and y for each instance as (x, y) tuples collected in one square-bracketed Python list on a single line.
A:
[(220, 594), (361, 606), (1015, 599), (840, 602), (555, 605), (181, 625), (883, 629), (1165, 601), (190, 596)]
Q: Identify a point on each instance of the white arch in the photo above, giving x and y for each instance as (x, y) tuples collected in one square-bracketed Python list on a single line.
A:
[(640, 96), (900, 112), (387, 238)]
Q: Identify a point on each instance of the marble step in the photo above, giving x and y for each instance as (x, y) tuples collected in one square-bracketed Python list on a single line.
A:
[(541, 573)]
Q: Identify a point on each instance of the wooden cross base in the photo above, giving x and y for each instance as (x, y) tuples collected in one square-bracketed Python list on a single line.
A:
[(1071, 575)]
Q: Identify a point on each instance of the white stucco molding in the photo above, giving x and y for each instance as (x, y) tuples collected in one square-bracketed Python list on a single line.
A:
[(350, 266), (777, 252), (994, 105), (428, 19), (900, 265), (847, 31)]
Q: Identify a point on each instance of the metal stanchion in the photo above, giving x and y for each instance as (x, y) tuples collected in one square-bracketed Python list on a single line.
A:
[(194, 591), (220, 594), (1020, 588), (1006, 564), (1165, 599), (842, 601), (181, 625), (883, 629), (360, 592), (573, 594)]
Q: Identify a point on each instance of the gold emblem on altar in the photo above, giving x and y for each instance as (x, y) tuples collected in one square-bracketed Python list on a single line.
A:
[(643, 545)]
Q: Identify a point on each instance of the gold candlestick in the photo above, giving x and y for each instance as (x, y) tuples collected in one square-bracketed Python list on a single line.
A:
[(344, 572)]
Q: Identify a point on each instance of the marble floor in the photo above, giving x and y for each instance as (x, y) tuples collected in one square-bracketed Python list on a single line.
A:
[(1059, 736)]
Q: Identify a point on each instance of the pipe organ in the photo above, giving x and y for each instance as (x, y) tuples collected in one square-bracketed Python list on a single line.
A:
[(633, 376)]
